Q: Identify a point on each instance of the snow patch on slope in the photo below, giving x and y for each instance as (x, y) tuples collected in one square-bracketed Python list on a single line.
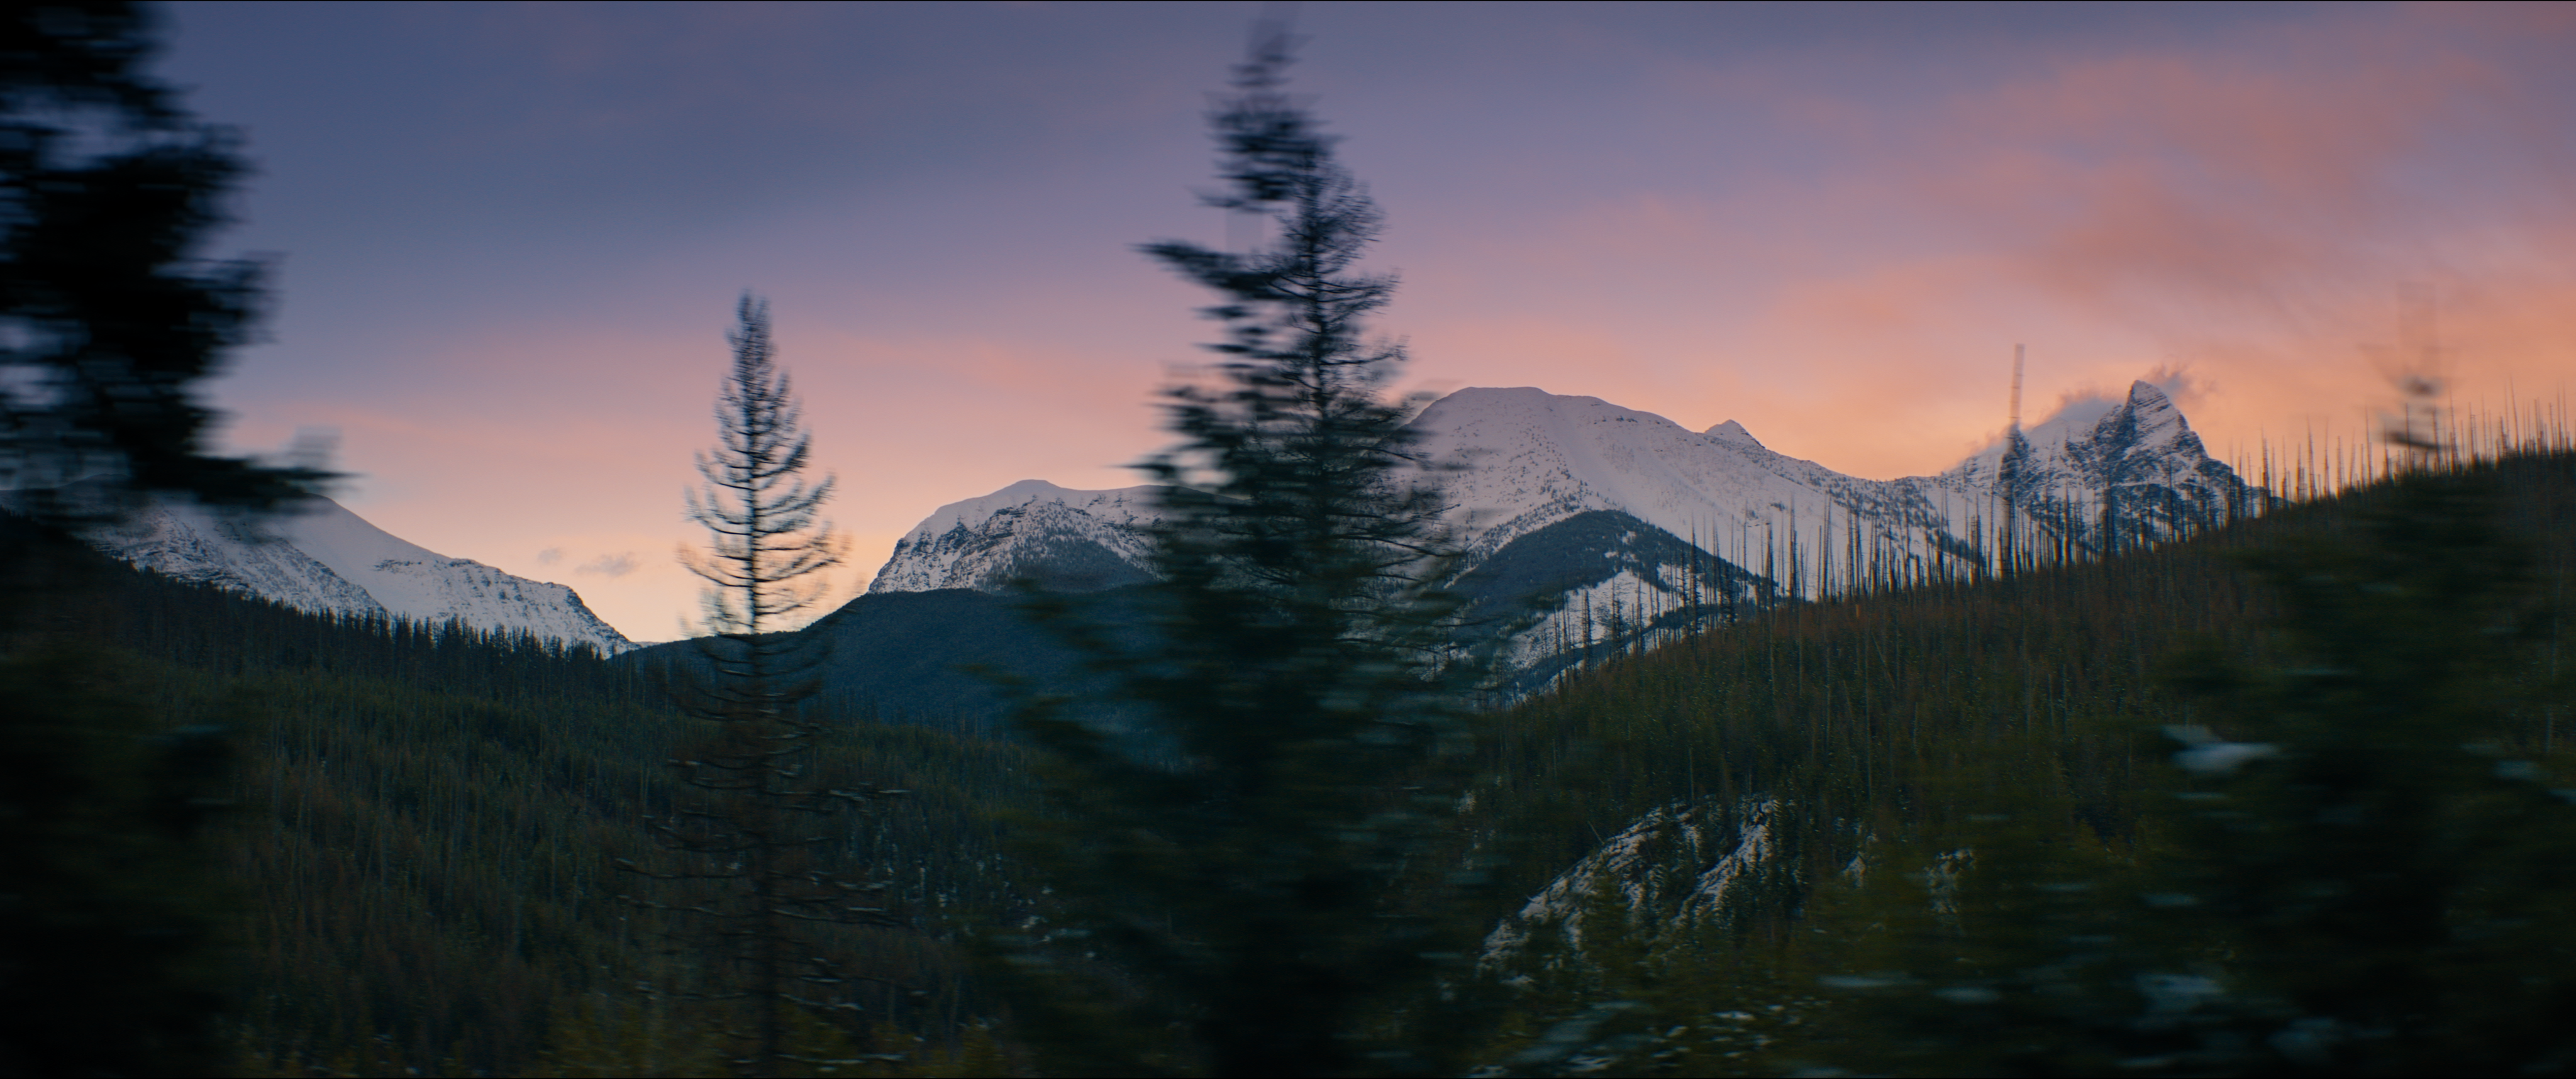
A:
[(1674, 867)]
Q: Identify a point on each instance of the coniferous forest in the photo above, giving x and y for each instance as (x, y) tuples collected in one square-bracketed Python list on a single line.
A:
[(411, 858), (2283, 794)]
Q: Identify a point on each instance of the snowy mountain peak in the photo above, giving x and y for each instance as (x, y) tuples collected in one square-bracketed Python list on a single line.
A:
[(2088, 438), (1731, 431), (1524, 406), (2160, 423), (2108, 473), (1074, 539), (1530, 459)]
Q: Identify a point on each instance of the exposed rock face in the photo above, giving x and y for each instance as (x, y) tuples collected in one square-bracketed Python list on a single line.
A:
[(2133, 474)]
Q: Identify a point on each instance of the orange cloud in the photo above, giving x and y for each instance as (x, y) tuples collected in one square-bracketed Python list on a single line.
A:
[(2249, 210)]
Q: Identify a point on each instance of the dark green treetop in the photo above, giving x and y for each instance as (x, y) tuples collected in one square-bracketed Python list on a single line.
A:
[(1245, 852)]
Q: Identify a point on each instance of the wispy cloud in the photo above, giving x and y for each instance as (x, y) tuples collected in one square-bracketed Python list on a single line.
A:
[(609, 565)]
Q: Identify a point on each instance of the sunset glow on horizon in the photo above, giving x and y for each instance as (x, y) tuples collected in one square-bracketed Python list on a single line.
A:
[(510, 239)]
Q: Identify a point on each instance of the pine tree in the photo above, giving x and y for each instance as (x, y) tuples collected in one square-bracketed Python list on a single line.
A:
[(1244, 852), (753, 834)]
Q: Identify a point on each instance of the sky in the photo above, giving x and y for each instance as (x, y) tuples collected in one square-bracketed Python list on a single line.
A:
[(508, 239)]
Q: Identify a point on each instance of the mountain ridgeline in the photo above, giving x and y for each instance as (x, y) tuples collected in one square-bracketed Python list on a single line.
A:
[(2282, 797), (1586, 530), (321, 558)]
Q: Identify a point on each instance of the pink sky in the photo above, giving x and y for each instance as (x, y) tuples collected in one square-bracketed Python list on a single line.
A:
[(505, 281)]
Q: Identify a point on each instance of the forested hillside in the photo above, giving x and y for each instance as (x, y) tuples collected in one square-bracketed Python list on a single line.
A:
[(421, 851), (1883, 808)]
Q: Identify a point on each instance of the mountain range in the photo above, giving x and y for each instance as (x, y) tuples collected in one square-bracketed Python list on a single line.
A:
[(1616, 526), (1624, 526)]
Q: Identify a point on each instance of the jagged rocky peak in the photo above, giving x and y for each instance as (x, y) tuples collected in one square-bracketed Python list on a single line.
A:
[(1063, 538), (2104, 473), (2090, 435)]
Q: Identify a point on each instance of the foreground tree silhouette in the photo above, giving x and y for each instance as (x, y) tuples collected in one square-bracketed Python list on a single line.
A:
[(109, 320), (1245, 851), (2389, 868), (750, 841), (112, 313)]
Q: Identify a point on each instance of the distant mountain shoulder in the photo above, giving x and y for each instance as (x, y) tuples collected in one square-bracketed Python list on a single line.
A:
[(320, 557), (940, 657)]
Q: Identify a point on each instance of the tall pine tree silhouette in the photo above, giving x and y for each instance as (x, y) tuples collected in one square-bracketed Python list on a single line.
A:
[(749, 837)]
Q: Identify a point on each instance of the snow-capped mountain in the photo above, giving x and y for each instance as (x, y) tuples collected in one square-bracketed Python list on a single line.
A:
[(1632, 525), (1533, 459), (1076, 540), (2109, 475), (320, 557)]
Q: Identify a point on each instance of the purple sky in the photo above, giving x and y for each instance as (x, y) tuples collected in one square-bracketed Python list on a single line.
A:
[(511, 236)]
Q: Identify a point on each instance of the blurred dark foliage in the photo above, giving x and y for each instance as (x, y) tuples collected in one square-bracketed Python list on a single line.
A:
[(2360, 866), (1244, 889), (110, 917), (109, 317), (109, 313), (415, 879)]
